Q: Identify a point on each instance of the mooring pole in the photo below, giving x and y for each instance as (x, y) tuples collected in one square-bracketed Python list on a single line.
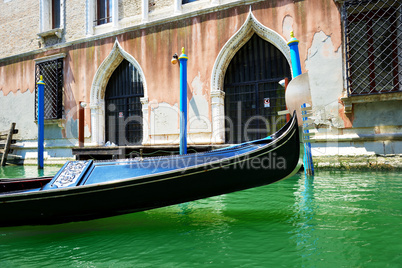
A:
[(307, 157), (296, 68), (41, 120), (183, 102), (294, 55), (81, 119)]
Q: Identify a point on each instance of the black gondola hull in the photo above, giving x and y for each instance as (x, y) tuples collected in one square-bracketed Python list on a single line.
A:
[(266, 164)]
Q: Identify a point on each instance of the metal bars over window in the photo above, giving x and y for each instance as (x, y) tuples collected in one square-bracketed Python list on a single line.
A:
[(123, 105), (253, 96), (52, 72), (373, 46), (103, 12)]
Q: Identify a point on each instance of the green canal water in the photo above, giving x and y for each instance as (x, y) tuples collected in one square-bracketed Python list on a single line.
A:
[(339, 219)]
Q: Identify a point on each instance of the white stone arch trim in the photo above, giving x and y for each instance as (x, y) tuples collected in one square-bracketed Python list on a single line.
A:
[(228, 51), (98, 89)]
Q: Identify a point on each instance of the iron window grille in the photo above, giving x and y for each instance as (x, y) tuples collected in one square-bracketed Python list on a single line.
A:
[(373, 46), (52, 72), (252, 79)]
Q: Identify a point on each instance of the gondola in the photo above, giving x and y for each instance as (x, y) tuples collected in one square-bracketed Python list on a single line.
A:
[(84, 190)]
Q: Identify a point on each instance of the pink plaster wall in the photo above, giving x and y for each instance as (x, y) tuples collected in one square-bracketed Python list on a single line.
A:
[(17, 76)]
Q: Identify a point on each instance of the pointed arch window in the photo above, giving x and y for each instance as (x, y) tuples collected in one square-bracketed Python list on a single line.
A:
[(252, 93), (123, 106)]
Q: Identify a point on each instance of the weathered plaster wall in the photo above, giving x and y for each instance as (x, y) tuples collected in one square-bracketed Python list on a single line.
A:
[(19, 24), (156, 5), (18, 29), (324, 65), (75, 20), (19, 107), (377, 114), (128, 8), (17, 75)]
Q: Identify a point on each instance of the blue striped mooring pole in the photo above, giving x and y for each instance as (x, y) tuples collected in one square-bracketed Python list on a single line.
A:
[(41, 120), (183, 102), (296, 69)]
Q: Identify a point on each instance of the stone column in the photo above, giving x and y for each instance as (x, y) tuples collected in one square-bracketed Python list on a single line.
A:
[(98, 123), (145, 10), (218, 116), (115, 13), (177, 6), (90, 17), (145, 121)]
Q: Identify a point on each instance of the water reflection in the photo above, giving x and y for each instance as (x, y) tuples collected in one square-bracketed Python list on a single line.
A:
[(303, 219), (27, 171), (337, 220)]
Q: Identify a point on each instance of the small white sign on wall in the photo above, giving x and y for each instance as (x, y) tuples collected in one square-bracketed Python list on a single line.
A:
[(267, 103)]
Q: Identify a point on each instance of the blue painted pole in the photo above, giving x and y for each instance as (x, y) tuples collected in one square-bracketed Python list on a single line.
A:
[(183, 102), (41, 121), (307, 157), (296, 68), (294, 55)]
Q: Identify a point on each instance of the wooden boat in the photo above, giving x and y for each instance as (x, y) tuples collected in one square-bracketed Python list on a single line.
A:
[(84, 190)]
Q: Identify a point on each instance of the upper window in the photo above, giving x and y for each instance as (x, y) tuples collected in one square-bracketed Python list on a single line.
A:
[(187, 1), (50, 15), (103, 12), (373, 45), (55, 14), (52, 72)]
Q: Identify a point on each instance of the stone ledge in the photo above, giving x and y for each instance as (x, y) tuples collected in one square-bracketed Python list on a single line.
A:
[(53, 32), (375, 162), (350, 100)]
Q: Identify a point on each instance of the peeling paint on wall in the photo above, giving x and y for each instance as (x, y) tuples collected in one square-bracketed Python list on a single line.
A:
[(324, 65), (17, 76), (199, 119)]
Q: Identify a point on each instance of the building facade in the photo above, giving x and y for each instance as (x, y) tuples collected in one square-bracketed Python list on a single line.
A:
[(115, 56)]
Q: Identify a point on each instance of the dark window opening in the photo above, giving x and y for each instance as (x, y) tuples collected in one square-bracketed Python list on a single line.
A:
[(52, 72), (253, 96), (55, 14), (373, 45), (103, 12), (187, 1), (123, 106)]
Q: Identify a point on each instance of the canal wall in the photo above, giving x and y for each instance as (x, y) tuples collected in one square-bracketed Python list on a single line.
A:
[(374, 162)]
